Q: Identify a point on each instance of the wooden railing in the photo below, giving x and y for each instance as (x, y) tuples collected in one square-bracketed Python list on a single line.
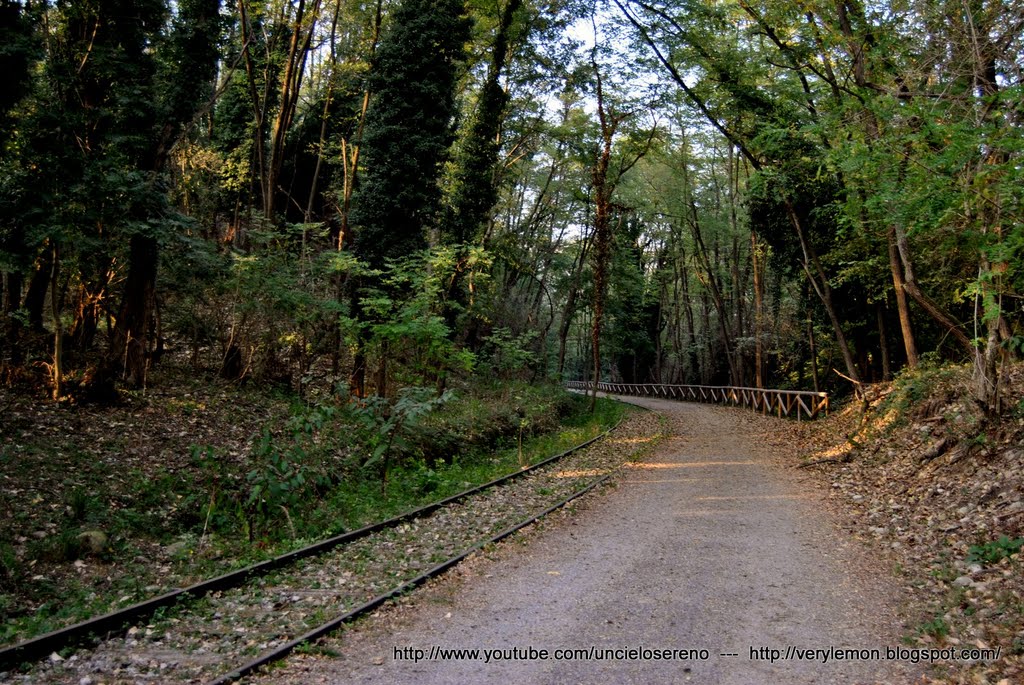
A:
[(803, 404)]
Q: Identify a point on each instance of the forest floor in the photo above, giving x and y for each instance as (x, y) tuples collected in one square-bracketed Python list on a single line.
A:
[(117, 477), (107, 506)]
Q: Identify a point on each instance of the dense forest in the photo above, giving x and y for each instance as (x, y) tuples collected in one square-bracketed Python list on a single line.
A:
[(395, 193)]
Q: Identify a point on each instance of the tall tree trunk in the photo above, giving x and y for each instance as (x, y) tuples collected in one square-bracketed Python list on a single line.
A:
[(128, 356), (258, 103), (928, 304), (819, 281), (602, 256), (58, 330), (288, 100), (350, 169), (602, 224), (708, 354), (35, 297), (906, 330), (712, 282), (985, 55), (814, 350), (321, 143), (755, 256), (12, 302), (569, 312), (883, 343)]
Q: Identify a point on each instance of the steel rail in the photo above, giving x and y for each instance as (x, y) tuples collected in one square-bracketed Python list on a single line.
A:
[(805, 403), (102, 627), (284, 650)]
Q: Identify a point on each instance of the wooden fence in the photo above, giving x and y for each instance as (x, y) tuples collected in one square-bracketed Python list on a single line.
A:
[(802, 404)]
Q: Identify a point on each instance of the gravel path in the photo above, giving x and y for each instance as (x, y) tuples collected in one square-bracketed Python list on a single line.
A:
[(709, 543)]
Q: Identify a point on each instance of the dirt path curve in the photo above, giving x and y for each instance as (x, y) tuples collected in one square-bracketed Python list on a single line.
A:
[(709, 544)]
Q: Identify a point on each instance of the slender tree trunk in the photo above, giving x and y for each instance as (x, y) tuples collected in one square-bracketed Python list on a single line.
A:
[(321, 143), (258, 103), (707, 351), (380, 380), (814, 350), (755, 256), (350, 159), (569, 312), (883, 343), (906, 330), (58, 330), (89, 305), (350, 169), (602, 226), (602, 255), (928, 304), (819, 281), (736, 298), (291, 83), (12, 302)]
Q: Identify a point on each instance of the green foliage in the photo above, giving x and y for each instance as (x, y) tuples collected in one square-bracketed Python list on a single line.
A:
[(470, 187), (408, 127), (400, 317), (275, 484), (932, 381), (284, 472), (80, 503), (18, 48), (280, 308), (994, 551), (937, 628), (8, 567), (508, 354), (62, 547), (385, 425)]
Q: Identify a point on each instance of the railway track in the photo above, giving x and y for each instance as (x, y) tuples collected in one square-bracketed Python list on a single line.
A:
[(225, 628)]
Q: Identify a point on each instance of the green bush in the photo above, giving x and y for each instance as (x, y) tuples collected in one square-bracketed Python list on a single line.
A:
[(994, 551)]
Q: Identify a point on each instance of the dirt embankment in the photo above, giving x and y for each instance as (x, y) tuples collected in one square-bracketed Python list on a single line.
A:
[(938, 488)]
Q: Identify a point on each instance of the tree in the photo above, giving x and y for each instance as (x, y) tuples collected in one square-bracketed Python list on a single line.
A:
[(121, 81), (180, 83), (409, 128), (410, 125), (472, 189), (605, 178), (18, 50)]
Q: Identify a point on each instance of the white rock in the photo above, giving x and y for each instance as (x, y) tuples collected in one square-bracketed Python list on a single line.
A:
[(964, 581)]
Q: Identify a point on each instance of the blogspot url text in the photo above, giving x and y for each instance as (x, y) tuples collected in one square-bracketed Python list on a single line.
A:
[(642, 653)]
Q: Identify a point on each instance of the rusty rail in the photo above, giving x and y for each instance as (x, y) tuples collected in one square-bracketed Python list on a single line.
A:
[(805, 404)]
